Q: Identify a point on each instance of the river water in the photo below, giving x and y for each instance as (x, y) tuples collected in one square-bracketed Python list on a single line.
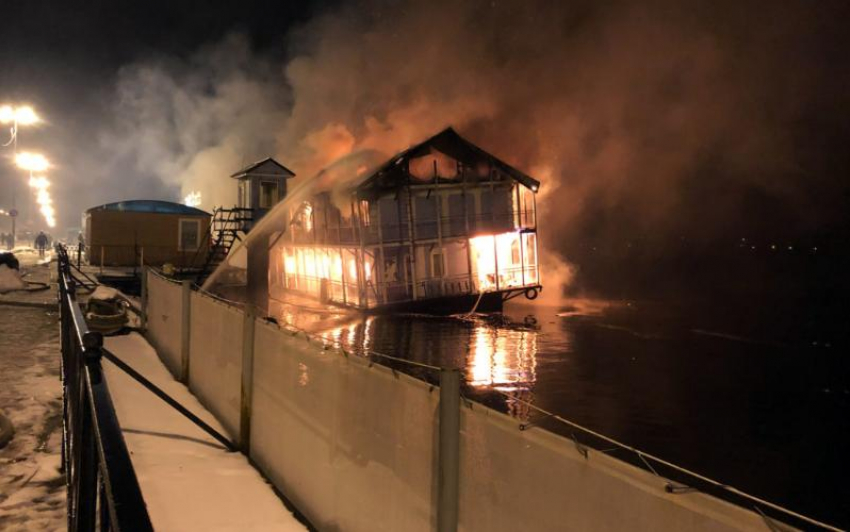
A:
[(762, 407)]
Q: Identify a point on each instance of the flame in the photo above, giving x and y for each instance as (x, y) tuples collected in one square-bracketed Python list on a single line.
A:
[(192, 199)]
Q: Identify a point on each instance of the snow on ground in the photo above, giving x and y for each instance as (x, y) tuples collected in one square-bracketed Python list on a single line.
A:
[(10, 279), (189, 481), (32, 490), (28, 256)]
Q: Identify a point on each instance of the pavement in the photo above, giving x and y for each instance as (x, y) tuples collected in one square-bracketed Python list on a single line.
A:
[(188, 479)]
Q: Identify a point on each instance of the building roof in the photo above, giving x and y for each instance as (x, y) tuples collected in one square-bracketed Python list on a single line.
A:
[(151, 206), (392, 173), (256, 165)]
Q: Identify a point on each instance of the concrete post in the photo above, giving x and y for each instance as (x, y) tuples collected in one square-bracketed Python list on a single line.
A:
[(144, 315), (185, 331), (247, 380), (448, 483)]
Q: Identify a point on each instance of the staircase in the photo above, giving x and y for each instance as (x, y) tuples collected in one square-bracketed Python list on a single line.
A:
[(226, 228)]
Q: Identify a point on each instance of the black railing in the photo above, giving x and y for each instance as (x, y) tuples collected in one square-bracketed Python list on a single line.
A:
[(103, 491)]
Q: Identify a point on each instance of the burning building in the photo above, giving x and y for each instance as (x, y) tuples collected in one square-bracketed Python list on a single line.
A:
[(441, 226)]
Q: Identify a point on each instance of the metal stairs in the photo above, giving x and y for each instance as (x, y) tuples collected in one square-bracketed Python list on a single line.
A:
[(227, 227)]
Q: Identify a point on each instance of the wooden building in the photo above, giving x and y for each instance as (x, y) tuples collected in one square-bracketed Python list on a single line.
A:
[(441, 226), (156, 232)]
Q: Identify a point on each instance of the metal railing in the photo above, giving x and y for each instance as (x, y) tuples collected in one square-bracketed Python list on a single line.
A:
[(103, 491)]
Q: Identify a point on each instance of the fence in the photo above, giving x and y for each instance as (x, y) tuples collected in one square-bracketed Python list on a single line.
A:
[(103, 492), (356, 445)]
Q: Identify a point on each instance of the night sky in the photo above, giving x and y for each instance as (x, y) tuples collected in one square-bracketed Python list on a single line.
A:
[(670, 138)]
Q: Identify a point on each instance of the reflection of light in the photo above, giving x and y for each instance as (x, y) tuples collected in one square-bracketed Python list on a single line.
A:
[(368, 332), (504, 359)]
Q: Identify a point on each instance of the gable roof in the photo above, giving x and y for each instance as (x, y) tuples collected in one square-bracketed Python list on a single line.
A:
[(450, 143), (253, 166)]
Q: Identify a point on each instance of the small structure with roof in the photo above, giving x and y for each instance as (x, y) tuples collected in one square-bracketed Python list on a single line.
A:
[(261, 186), (127, 233)]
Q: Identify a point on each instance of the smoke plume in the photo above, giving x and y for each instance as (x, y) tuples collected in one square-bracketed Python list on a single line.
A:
[(645, 122)]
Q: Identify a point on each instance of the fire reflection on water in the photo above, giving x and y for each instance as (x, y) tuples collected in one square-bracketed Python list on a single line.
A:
[(494, 353), (502, 359)]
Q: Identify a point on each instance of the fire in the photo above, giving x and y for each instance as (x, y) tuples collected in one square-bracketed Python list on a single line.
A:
[(505, 260), (192, 199)]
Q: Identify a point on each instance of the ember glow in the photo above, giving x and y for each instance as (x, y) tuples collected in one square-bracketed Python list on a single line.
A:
[(192, 199)]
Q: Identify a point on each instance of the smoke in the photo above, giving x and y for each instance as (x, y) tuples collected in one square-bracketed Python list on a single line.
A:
[(645, 122), (192, 122)]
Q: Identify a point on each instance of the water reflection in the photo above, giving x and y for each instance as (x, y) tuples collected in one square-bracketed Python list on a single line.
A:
[(494, 351), (502, 359)]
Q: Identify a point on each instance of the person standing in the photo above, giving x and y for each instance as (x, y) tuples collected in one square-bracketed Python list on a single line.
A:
[(41, 243)]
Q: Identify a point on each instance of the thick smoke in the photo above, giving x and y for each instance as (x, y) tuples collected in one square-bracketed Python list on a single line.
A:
[(645, 122)]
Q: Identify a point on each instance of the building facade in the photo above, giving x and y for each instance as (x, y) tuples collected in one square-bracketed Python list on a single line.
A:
[(441, 223)]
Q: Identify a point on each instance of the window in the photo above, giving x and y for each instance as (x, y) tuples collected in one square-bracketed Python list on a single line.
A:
[(364, 212), (516, 256), (188, 238), (437, 263), (268, 194), (245, 194)]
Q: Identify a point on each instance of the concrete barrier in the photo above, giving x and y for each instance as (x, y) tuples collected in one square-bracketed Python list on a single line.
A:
[(164, 314), (354, 444)]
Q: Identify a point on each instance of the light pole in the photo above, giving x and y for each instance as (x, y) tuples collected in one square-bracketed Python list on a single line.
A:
[(23, 115)]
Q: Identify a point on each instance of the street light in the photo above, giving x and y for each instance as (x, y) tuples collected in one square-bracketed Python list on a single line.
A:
[(34, 162), (23, 115)]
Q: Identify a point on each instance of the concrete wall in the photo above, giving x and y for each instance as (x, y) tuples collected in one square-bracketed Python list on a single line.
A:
[(121, 233), (164, 315), (353, 445), (535, 480), (215, 358)]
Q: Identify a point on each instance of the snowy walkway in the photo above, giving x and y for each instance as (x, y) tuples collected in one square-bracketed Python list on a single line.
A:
[(32, 490), (188, 480)]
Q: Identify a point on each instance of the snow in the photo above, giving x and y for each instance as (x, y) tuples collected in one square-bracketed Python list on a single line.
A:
[(189, 481), (32, 489), (10, 280), (105, 293)]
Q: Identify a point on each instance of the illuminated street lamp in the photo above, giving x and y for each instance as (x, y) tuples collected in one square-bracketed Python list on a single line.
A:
[(33, 162), (17, 116)]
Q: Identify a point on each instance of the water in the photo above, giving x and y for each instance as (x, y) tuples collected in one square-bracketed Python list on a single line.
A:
[(755, 400)]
